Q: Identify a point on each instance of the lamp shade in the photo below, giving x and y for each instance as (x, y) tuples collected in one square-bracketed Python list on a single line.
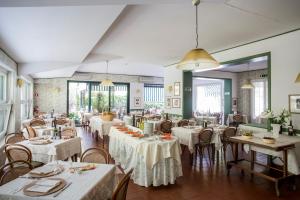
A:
[(107, 82), (298, 79), (197, 60), (247, 85)]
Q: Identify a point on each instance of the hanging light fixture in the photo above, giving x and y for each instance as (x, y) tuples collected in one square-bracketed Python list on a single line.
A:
[(247, 84), (197, 59), (107, 81), (298, 79)]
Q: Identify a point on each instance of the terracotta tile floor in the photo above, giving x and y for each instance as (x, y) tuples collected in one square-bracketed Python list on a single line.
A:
[(205, 183)]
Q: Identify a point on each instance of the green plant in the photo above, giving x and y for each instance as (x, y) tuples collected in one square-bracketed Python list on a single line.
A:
[(281, 118)]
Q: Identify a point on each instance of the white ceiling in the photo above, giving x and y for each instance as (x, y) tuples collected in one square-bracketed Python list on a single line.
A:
[(48, 38)]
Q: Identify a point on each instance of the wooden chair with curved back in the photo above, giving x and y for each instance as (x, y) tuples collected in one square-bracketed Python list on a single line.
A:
[(13, 138), (13, 170), (237, 120), (227, 133), (204, 142), (95, 155), (31, 132), (16, 152), (121, 191), (166, 126), (69, 132), (37, 122), (61, 121), (183, 122)]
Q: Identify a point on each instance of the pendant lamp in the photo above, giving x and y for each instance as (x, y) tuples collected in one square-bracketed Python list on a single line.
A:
[(298, 79), (247, 84), (107, 81)]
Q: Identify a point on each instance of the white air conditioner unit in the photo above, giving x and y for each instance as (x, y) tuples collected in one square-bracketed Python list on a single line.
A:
[(146, 79)]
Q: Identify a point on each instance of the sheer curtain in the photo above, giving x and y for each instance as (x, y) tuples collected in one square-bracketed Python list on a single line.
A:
[(259, 97), (209, 98)]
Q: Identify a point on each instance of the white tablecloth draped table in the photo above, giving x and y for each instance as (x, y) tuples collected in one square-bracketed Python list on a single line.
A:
[(57, 150), (97, 184), (230, 119), (48, 122), (87, 117), (103, 127), (155, 162), (211, 119), (189, 136)]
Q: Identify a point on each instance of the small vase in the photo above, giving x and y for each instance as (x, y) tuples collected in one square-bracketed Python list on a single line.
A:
[(276, 130)]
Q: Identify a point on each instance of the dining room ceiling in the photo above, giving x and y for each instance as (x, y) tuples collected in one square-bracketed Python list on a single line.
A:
[(138, 37)]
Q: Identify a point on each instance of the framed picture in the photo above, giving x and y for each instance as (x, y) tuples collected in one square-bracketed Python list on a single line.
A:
[(168, 102), (137, 102), (294, 103), (177, 89), (176, 102)]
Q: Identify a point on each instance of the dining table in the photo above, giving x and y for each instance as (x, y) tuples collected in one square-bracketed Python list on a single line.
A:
[(56, 149), (155, 161), (96, 184), (102, 126)]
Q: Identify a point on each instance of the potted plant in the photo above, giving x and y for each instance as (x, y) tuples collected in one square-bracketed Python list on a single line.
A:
[(74, 117)]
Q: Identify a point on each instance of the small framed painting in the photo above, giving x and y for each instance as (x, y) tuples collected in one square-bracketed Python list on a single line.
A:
[(176, 102), (177, 89), (168, 102), (137, 102), (294, 103)]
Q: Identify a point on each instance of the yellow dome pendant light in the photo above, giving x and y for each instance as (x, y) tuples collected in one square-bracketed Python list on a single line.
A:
[(107, 81), (197, 59), (247, 84), (298, 79)]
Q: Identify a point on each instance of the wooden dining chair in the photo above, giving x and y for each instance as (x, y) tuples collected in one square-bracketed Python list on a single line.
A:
[(227, 133), (237, 120), (31, 132), (69, 132), (61, 121), (13, 138), (13, 170), (16, 152), (95, 155), (121, 190), (37, 122), (183, 122), (204, 142), (166, 126)]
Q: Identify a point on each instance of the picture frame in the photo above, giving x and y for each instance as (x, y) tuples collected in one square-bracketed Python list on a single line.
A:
[(168, 104), (294, 103), (176, 103), (177, 89), (137, 102)]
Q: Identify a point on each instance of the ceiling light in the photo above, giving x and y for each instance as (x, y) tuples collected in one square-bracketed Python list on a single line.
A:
[(197, 59), (247, 84), (298, 79), (107, 81)]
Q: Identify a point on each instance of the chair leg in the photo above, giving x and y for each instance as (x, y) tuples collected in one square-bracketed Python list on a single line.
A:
[(213, 152), (224, 151), (209, 155)]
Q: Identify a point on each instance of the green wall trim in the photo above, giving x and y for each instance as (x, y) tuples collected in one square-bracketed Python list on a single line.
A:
[(227, 98), (187, 97)]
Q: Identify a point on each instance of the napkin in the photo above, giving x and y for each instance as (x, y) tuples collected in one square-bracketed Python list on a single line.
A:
[(44, 186)]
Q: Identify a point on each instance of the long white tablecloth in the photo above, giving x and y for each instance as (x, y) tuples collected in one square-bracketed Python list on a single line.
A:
[(97, 184), (103, 127), (154, 162), (57, 150)]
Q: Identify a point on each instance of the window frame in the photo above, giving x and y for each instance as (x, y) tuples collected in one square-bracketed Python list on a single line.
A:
[(161, 86), (5, 89), (265, 96)]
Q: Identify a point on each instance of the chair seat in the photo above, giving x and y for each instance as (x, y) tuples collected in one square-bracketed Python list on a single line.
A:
[(36, 164)]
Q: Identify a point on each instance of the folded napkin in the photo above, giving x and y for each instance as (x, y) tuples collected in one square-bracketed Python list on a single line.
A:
[(44, 185)]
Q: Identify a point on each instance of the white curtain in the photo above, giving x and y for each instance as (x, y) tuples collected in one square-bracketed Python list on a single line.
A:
[(209, 98)]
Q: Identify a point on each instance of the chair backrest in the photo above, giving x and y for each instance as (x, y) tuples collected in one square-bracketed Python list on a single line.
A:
[(121, 190), (183, 122), (37, 122), (17, 152), (61, 121), (205, 136), (13, 138), (166, 126), (237, 118), (69, 131), (31, 132), (95, 155), (13, 170), (229, 132)]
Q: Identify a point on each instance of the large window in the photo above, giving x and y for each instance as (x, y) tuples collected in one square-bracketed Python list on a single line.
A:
[(154, 97), (4, 105), (3, 84), (259, 98), (26, 100)]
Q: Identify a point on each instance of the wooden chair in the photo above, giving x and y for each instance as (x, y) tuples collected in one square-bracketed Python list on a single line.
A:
[(95, 155), (61, 121), (237, 120), (69, 132), (166, 126), (16, 152), (13, 170), (121, 190), (183, 122), (227, 133), (31, 132), (13, 138), (37, 122), (205, 137)]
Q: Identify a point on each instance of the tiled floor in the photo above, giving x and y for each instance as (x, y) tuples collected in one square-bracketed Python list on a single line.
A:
[(205, 183)]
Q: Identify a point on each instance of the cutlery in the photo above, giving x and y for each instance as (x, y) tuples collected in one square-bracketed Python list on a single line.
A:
[(62, 189)]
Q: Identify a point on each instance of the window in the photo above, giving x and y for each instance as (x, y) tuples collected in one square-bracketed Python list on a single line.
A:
[(3, 85), (26, 100), (259, 98), (154, 97), (4, 105)]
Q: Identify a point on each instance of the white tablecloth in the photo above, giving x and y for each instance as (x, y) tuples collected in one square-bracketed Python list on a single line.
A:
[(155, 162), (87, 117), (40, 131), (48, 122), (189, 136), (97, 184), (211, 119), (57, 150), (103, 127), (230, 119)]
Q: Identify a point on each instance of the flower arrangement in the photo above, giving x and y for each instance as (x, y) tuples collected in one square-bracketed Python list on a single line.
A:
[(282, 118)]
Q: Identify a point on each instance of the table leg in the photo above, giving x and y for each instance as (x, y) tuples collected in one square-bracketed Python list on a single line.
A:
[(253, 155), (277, 188), (236, 151), (285, 163)]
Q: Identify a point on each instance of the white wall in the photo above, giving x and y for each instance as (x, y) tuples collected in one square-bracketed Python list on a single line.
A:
[(285, 65), (136, 91)]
